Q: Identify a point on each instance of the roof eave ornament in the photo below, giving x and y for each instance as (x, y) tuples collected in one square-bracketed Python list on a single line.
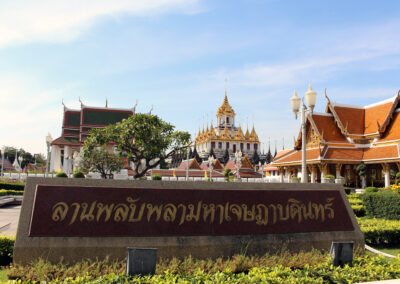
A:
[(134, 107), (82, 105), (62, 102)]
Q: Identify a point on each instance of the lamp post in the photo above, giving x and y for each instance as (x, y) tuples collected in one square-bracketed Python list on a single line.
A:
[(49, 139), (211, 165), (3, 149), (238, 156), (295, 101)]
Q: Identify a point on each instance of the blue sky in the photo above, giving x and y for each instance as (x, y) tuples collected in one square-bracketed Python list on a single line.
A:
[(176, 54)]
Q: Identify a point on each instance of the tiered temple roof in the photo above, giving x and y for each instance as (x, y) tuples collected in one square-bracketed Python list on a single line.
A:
[(77, 123), (349, 134)]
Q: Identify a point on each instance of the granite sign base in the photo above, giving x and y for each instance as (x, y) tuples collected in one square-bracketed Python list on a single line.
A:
[(75, 219)]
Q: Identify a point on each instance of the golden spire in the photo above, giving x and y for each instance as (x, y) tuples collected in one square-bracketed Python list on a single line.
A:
[(247, 135), (239, 134), (225, 109), (253, 135)]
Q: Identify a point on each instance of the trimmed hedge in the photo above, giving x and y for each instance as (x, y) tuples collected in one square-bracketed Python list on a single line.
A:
[(5, 192), (12, 185), (383, 205), (380, 232), (6, 250)]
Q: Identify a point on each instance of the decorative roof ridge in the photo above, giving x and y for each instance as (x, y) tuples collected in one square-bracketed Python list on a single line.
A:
[(106, 108), (392, 99), (389, 116), (322, 114), (336, 116), (335, 104), (312, 123)]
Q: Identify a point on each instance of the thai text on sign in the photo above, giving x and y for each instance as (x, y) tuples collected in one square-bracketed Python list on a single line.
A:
[(100, 211)]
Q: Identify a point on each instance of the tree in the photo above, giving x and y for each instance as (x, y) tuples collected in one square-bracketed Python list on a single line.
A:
[(225, 157), (146, 140), (255, 159), (100, 160)]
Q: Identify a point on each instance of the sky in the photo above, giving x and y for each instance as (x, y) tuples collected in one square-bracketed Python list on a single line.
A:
[(178, 56)]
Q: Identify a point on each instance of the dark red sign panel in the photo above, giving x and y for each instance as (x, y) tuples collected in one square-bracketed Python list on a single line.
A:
[(61, 211)]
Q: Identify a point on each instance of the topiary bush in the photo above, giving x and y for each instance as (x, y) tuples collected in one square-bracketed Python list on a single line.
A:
[(331, 177), (79, 175), (382, 204), (61, 175), (348, 190), (156, 177), (6, 250)]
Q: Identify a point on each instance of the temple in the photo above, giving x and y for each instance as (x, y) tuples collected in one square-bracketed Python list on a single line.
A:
[(226, 137), (343, 137), (76, 126)]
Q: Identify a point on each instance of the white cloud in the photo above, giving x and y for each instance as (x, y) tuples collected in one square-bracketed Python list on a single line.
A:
[(29, 113), (64, 20)]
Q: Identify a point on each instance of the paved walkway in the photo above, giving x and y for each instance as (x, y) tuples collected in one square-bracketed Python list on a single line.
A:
[(9, 217)]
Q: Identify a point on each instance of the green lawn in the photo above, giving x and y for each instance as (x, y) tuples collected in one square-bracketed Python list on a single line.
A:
[(392, 251), (3, 276)]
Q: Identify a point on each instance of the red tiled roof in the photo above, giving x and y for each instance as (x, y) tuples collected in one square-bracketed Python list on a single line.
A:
[(327, 128), (230, 165), (352, 154), (386, 152), (393, 131), (311, 154), (351, 118), (376, 114)]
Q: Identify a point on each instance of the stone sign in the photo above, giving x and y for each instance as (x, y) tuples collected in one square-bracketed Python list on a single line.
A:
[(77, 219)]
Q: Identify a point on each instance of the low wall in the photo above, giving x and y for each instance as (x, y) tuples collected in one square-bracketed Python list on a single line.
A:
[(75, 219)]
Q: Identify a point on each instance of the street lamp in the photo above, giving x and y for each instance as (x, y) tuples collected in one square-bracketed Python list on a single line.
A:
[(48, 143), (311, 97), (211, 165), (238, 156)]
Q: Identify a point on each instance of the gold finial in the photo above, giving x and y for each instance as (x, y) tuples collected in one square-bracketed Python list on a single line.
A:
[(62, 102), (80, 101)]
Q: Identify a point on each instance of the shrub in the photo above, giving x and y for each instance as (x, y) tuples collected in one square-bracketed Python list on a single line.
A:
[(331, 177), (371, 189), (384, 205), (5, 192), (156, 177), (61, 175), (12, 185), (79, 175), (6, 249), (364, 268), (380, 232)]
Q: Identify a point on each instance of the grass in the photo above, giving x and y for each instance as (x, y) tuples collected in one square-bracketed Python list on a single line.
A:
[(393, 251), (3, 276)]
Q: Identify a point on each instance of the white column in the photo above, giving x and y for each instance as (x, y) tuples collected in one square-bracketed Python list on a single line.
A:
[(313, 173), (387, 175), (338, 170), (55, 158), (67, 152), (281, 171)]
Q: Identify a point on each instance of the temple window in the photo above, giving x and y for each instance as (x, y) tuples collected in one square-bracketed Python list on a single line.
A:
[(227, 145), (213, 145), (241, 146), (248, 146), (227, 120), (219, 145), (255, 147), (234, 148)]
